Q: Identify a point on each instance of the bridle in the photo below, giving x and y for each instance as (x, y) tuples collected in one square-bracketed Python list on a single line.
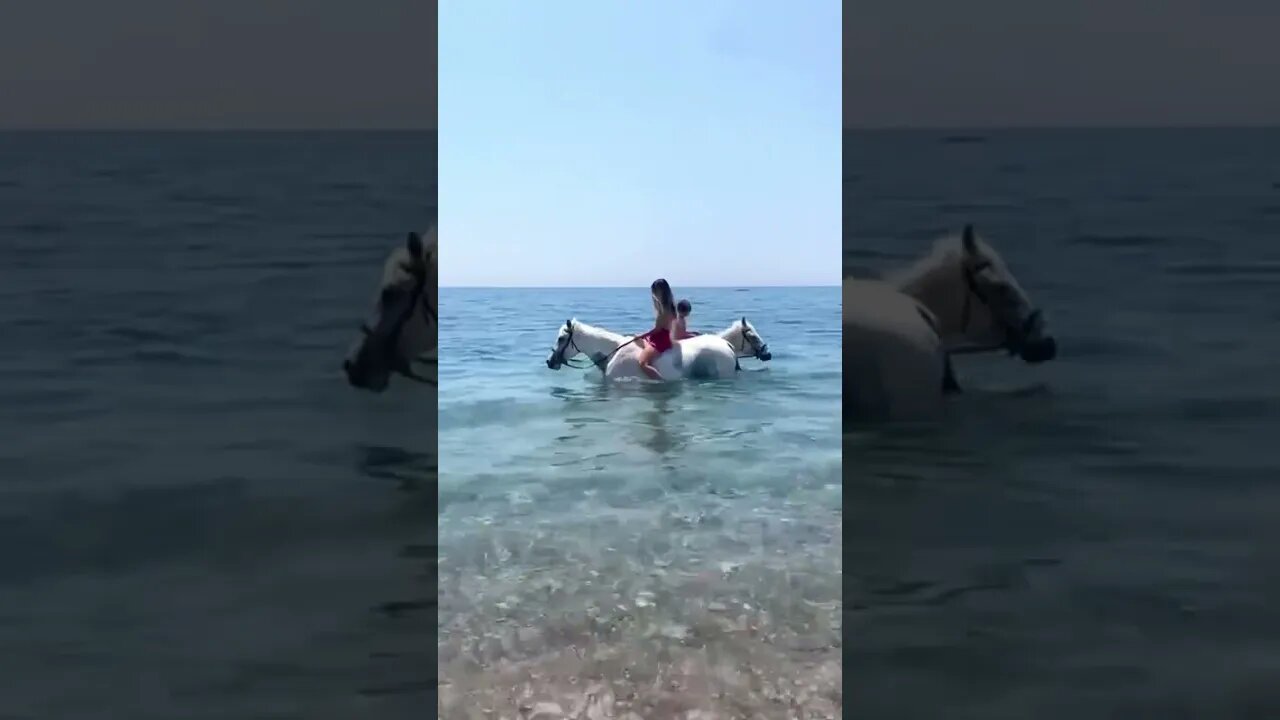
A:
[(750, 337), (418, 270), (1015, 336)]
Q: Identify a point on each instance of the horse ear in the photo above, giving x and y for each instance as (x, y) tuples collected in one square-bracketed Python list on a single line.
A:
[(568, 324), (414, 244), (970, 242), (744, 321)]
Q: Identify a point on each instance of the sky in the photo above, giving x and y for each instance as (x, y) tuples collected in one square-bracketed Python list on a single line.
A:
[(224, 64), (1007, 63), (611, 143)]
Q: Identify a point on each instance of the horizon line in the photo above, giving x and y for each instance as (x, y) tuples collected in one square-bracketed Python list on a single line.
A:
[(628, 287), (1267, 125), (282, 129), (1270, 125)]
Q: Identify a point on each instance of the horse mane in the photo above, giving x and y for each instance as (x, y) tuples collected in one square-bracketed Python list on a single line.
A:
[(944, 253), (400, 263), (735, 326), (430, 243), (597, 330)]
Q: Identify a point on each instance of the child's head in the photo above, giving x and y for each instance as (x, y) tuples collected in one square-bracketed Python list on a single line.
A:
[(663, 299), (684, 308)]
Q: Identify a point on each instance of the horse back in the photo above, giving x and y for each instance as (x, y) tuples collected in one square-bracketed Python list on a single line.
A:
[(894, 362)]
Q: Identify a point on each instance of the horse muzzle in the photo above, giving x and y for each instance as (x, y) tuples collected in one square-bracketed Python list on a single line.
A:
[(553, 362), (359, 377), (763, 354), (1040, 350), (1032, 344)]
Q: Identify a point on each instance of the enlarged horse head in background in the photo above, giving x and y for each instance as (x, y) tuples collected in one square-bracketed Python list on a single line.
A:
[(402, 329), (900, 332), (977, 301)]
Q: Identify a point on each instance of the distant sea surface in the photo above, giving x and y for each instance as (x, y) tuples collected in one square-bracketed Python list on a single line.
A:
[(1095, 537), (633, 547), (200, 519)]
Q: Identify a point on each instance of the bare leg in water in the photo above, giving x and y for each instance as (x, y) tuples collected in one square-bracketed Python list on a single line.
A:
[(648, 353)]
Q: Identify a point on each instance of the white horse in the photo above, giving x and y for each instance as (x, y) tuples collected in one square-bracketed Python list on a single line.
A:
[(900, 332), (402, 330), (700, 357)]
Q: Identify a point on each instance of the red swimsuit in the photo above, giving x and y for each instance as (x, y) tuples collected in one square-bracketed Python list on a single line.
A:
[(660, 338)]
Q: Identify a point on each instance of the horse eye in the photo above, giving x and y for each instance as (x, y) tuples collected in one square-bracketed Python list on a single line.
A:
[(991, 280)]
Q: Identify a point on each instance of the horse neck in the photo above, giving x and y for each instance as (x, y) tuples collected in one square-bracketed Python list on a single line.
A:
[(936, 283), (592, 340), (732, 333)]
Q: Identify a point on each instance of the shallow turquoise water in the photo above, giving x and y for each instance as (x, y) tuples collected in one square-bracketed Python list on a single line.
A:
[(673, 541)]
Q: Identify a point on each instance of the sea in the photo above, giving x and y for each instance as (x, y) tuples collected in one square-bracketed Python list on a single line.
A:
[(635, 549), (1095, 537), (198, 517)]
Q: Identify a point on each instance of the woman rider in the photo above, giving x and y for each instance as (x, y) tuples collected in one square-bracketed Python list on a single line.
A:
[(659, 339)]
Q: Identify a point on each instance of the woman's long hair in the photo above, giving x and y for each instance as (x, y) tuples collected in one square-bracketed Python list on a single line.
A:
[(663, 298)]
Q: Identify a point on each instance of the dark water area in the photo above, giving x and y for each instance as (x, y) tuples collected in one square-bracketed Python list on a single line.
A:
[(200, 519), (1094, 537)]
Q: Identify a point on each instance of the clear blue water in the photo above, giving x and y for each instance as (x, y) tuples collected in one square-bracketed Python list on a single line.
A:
[(200, 519), (663, 547), (1095, 537)]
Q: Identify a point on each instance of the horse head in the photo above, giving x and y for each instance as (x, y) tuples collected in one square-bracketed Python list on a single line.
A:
[(978, 302), (745, 340), (562, 347), (402, 329)]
